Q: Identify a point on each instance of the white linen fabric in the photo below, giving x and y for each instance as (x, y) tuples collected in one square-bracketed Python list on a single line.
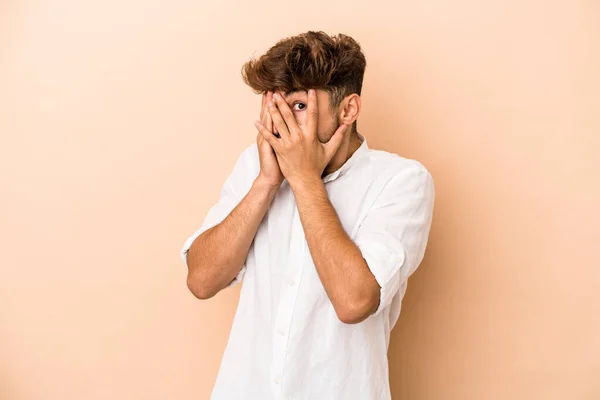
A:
[(286, 340)]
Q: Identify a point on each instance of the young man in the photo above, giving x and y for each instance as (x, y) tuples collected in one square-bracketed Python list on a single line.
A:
[(324, 230)]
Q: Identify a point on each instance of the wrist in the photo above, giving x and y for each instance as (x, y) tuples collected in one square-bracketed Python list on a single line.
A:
[(265, 184), (303, 182)]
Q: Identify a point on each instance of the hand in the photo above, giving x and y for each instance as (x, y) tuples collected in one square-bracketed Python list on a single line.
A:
[(300, 154), (270, 173)]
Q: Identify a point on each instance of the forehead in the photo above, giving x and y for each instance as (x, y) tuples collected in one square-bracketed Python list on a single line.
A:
[(294, 92)]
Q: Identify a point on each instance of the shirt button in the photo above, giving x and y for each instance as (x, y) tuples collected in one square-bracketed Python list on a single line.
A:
[(276, 379), (281, 331), (292, 282)]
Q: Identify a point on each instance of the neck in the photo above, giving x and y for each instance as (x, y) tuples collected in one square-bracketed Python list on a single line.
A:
[(347, 148)]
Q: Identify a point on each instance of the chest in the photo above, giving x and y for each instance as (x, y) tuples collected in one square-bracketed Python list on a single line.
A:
[(280, 249)]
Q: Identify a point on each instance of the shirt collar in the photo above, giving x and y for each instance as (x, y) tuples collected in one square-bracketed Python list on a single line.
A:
[(362, 149)]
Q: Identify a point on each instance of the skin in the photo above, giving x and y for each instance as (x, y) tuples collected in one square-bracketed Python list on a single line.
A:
[(328, 121), (217, 255), (305, 152)]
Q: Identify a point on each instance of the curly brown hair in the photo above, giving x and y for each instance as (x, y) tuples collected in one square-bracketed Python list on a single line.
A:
[(312, 59)]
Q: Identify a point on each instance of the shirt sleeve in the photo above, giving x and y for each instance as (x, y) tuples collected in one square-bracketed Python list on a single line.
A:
[(393, 235), (234, 189)]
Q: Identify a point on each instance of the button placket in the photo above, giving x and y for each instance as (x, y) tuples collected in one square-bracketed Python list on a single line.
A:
[(289, 292)]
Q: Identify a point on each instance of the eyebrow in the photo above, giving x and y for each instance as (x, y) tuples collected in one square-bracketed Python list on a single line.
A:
[(288, 94)]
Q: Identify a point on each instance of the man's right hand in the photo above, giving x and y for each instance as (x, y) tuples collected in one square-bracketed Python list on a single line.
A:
[(270, 173)]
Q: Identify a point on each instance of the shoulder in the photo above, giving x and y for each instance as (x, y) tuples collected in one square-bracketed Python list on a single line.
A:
[(395, 168), (248, 161), (248, 156), (250, 151)]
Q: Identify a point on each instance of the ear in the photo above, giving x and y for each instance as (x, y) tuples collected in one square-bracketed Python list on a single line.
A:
[(349, 109)]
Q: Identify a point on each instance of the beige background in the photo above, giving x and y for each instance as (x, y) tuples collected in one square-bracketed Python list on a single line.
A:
[(121, 119)]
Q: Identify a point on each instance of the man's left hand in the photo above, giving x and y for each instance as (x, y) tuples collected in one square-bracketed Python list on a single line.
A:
[(301, 156)]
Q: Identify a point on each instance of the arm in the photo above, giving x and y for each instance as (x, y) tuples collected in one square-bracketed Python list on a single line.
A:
[(362, 276), (217, 255), (345, 275)]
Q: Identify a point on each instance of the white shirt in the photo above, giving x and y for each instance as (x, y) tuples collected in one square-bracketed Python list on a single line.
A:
[(286, 340)]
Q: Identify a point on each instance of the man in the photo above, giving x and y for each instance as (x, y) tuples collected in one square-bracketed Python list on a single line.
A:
[(324, 230)]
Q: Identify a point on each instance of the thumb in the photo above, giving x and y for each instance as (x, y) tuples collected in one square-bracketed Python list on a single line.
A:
[(335, 142)]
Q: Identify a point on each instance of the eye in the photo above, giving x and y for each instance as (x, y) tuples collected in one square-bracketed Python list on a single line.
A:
[(300, 104)]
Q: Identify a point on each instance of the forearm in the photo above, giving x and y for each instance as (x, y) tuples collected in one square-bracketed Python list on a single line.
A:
[(217, 255), (345, 275)]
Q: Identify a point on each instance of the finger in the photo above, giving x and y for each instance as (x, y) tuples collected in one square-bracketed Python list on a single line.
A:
[(335, 142), (267, 96), (278, 121), (269, 120), (269, 124), (287, 114), (267, 135), (267, 115), (313, 113), (267, 99), (263, 106)]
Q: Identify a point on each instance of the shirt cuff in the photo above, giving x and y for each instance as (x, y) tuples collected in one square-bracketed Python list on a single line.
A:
[(188, 244), (385, 265)]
